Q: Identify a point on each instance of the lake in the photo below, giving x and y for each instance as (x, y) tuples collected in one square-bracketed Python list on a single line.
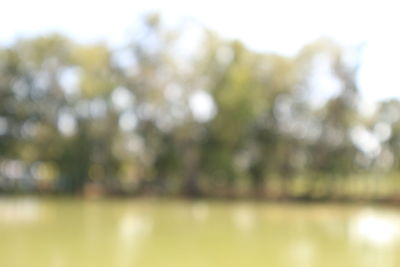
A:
[(45, 232)]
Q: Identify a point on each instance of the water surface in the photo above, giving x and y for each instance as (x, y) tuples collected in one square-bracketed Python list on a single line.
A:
[(38, 232)]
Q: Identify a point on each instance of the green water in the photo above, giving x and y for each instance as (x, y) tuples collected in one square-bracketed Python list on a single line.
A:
[(83, 233)]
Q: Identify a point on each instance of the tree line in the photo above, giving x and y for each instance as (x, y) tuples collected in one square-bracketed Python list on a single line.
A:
[(214, 119)]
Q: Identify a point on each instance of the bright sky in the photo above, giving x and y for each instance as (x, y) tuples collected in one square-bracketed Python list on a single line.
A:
[(282, 26)]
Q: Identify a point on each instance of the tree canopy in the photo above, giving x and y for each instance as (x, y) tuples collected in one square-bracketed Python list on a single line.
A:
[(221, 121)]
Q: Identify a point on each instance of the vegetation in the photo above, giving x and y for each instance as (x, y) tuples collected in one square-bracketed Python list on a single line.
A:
[(221, 120)]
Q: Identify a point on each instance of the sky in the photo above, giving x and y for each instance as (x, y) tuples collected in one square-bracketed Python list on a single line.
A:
[(281, 26)]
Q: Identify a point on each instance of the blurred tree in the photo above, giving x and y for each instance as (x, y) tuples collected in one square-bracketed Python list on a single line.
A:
[(149, 118)]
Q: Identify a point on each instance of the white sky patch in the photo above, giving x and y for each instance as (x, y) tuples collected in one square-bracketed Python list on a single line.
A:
[(66, 123), (190, 40), (324, 85), (69, 80), (122, 98), (127, 121), (379, 72), (124, 58), (383, 131), (278, 26), (367, 107), (202, 106), (365, 141)]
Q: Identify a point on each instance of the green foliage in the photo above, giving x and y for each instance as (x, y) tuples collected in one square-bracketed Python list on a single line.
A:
[(129, 125)]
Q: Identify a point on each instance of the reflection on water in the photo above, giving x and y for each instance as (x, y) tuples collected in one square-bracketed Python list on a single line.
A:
[(375, 228), (243, 218), (200, 212), (133, 227), (19, 211), (301, 253), (58, 233), (376, 236)]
